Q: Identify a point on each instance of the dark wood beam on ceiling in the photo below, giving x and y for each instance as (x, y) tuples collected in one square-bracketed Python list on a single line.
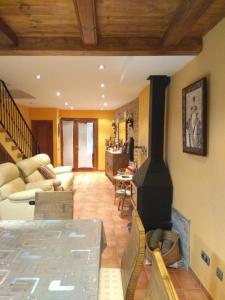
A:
[(106, 46), (7, 35), (86, 15), (187, 14)]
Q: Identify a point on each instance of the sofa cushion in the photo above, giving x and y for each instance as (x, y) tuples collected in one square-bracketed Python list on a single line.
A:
[(24, 195), (53, 182), (63, 169), (43, 158), (30, 165), (35, 176), (16, 210), (46, 172), (44, 185), (11, 187), (66, 180), (8, 172)]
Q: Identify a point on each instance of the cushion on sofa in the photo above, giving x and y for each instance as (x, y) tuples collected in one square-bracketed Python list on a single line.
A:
[(36, 176), (24, 196), (43, 158), (66, 180), (45, 185), (30, 165), (8, 172), (11, 187), (46, 172), (63, 169), (53, 182)]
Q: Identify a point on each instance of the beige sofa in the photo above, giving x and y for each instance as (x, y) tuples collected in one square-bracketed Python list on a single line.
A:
[(29, 169), (16, 196)]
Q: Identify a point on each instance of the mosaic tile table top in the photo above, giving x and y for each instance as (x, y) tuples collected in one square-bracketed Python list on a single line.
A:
[(50, 259)]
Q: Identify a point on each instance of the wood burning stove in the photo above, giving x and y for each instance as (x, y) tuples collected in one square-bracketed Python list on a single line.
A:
[(152, 185)]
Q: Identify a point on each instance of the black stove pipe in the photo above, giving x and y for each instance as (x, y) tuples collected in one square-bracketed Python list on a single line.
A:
[(158, 86)]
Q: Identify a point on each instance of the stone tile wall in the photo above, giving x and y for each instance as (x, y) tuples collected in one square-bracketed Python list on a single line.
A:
[(181, 225), (130, 108)]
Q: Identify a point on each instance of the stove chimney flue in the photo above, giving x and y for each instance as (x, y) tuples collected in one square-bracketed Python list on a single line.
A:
[(158, 86)]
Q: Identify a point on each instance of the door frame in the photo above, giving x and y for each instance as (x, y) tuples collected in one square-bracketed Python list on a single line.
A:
[(75, 142), (50, 123)]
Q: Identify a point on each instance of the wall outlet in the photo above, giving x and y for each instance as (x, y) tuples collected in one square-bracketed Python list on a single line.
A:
[(219, 274), (205, 257)]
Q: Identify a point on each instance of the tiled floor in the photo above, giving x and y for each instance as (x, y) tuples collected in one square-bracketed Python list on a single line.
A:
[(94, 199)]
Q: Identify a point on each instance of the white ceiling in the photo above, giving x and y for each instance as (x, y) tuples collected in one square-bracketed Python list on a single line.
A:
[(78, 78)]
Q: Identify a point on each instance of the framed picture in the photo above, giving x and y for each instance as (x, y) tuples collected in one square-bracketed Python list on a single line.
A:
[(194, 110)]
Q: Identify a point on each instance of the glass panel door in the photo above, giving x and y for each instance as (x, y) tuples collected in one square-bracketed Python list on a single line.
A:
[(85, 145), (67, 140)]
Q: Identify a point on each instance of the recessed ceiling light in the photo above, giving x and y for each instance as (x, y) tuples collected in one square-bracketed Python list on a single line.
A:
[(66, 103), (102, 85), (103, 96), (105, 103), (101, 67), (58, 94), (38, 76), (71, 107)]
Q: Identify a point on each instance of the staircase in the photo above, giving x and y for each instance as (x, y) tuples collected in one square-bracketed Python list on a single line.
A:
[(15, 135)]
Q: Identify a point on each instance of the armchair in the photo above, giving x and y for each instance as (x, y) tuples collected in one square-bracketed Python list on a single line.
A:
[(16, 197)]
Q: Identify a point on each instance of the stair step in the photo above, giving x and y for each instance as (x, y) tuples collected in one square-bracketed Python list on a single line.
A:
[(8, 139), (19, 155), (14, 148)]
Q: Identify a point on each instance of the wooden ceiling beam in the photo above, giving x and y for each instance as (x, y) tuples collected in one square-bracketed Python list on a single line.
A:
[(86, 15), (106, 46), (187, 14), (7, 35)]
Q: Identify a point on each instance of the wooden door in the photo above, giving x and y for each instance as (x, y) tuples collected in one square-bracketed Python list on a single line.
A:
[(77, 147), (43, 132)]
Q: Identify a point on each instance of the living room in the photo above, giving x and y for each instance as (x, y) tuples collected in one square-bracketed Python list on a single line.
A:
[(61, 88)]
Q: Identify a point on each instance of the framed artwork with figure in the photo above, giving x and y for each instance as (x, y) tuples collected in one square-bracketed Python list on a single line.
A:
[(194, 110)]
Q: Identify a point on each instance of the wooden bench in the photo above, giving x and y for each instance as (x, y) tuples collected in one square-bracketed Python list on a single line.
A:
[(160, 286)]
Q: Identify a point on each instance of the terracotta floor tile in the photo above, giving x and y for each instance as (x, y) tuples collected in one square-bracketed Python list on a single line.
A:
[(110, 263), (147, 269), (109, 252), (142, 281), (186, 280), (94, 198), (111, 242), (139, 294), (181, 295), (175, 281), (195, 294)]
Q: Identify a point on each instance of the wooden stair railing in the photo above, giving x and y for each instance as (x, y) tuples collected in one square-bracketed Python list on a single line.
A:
[(14, 124)]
